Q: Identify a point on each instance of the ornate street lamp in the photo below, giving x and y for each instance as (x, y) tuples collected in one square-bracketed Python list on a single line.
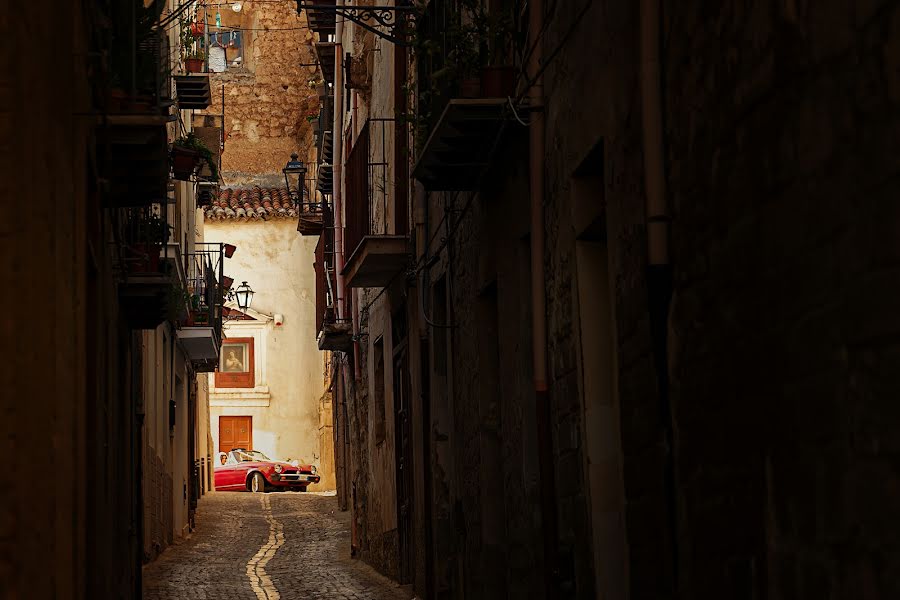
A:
[(244, 296), (296, 167)]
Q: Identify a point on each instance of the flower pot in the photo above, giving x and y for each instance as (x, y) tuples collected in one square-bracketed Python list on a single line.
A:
[(229, 250), (227, 282), (498, 82), (184, 163), (470, 87), (193, 65)]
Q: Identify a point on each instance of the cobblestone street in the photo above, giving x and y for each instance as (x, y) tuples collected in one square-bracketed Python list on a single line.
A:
[(266, 546)]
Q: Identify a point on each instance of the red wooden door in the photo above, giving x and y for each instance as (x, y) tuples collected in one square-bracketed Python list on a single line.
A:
[(235, 432)]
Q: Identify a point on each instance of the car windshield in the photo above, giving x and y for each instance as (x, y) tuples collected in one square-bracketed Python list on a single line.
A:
[(250, 455)]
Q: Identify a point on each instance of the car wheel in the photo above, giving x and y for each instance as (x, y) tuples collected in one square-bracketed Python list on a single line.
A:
[(257, 483)]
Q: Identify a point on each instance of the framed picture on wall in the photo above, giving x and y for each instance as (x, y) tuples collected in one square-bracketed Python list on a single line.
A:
[(236, 364)]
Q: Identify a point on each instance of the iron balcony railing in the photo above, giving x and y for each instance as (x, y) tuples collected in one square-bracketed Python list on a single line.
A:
[(204, 272), (376, 200)]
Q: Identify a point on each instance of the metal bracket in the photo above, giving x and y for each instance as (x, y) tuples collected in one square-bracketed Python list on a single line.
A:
[(399, 20)]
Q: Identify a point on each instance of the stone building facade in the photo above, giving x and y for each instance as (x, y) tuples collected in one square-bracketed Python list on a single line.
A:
[(267, 96), (100, 466), (716, 420)]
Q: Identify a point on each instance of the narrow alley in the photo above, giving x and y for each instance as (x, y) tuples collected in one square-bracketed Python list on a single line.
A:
[(450, 300), (267, 546)]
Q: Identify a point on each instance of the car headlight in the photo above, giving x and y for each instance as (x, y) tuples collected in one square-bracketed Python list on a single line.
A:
[(312, 469), (278, 468)]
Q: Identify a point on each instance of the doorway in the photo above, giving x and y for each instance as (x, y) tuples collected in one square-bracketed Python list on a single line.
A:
[(235, 432)]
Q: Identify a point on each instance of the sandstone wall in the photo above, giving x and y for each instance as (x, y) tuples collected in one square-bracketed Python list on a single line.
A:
[(267, 99)]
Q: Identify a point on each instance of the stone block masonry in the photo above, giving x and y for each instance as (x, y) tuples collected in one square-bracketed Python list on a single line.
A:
[(267, 98)]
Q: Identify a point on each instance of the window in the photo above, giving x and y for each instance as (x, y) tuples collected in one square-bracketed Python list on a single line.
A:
[(226, 50), (236, 366)]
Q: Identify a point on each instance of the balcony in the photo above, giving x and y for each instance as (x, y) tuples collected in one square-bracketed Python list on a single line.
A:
[(325, 57), (313, 217), (151, 287), (460, 147), (331, 333), (320, 21), (133, 158), (201, 330), (375, 234)]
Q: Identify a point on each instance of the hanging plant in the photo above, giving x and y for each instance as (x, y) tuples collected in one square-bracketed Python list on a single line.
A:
[(187, 152)]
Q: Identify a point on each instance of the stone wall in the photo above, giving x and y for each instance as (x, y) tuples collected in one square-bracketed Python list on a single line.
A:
[(66, 384), (783, 171), (267, 99)]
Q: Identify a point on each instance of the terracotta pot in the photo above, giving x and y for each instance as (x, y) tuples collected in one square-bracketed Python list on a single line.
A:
[(498, 82), (229, 250), (227, 282), (470, 87), (184, 163), (193, 65)]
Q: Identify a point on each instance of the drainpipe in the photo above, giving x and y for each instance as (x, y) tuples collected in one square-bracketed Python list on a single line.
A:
[(337, 164), (659, 268), (543, 411), (357, 369)]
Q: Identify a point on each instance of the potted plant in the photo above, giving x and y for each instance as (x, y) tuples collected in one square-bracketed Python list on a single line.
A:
[(150, 233), (187, 152), (192, 51), (498, 76)]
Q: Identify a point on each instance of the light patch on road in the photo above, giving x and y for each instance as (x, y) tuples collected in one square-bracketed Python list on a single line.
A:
[(256, 569)]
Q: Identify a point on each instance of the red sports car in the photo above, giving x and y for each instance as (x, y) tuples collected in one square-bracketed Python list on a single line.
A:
[(241, 470)]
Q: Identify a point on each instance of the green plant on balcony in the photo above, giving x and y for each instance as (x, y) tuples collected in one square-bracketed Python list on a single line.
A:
[(148, 233), (186, 153), (192, 51)]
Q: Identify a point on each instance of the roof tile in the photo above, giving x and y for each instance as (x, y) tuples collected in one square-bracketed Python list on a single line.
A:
[(252, 204)]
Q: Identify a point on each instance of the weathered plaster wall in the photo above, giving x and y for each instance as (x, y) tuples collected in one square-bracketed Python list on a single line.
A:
[(266, 101), (270, 258), (372, 457)]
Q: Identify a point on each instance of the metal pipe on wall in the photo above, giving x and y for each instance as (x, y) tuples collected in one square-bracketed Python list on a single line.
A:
[(338, 159), (543, 412), (659, 269)]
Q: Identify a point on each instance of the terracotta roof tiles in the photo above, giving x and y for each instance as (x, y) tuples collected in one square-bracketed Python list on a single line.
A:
[(252, 204)]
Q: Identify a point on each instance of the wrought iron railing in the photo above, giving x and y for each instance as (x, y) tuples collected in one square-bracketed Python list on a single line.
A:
[(204, 273), (142, 236)]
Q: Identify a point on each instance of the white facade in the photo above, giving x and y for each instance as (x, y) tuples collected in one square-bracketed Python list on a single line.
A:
[(283, 401)]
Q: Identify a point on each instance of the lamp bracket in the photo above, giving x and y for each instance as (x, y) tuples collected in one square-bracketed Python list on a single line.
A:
[(399, 20)]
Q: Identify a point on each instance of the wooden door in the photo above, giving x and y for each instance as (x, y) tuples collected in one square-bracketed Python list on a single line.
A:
[(235, 432)]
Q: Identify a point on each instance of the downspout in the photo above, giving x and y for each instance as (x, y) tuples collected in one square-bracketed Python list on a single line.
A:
[(659, 268), (543, 412), (357, 369), (337, 164)]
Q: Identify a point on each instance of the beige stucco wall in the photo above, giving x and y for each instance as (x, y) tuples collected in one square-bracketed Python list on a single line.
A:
[(277, 263)]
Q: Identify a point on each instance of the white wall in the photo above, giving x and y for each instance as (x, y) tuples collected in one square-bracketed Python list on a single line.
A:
[(277, 263)]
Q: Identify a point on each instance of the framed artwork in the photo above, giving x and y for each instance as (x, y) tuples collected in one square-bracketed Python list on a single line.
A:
[(236, 367)]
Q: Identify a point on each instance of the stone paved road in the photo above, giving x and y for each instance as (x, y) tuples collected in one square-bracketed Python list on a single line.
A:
[(281, 546)]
